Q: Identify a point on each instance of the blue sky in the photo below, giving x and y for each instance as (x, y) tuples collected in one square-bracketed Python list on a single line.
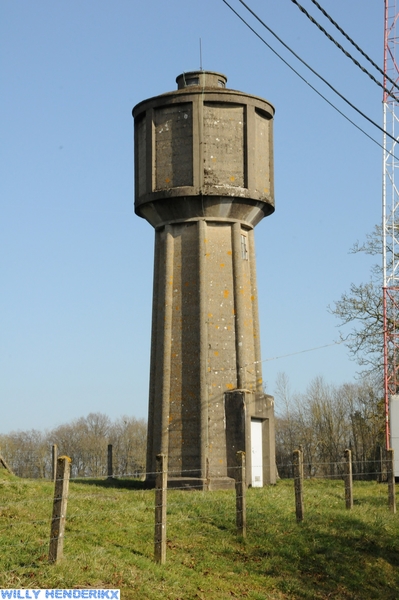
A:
[(76, 263)]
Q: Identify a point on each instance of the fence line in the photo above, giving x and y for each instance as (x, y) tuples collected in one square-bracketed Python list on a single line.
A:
[(80, 514), (38, 462), (161, 485), (77, 513), (141, 481), (287, 467)]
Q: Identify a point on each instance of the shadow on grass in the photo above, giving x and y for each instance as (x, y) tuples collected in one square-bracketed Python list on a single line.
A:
[(338, 560), (112, 482)]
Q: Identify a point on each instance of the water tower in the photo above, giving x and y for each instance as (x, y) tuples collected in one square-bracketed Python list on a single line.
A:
[(203, 180)]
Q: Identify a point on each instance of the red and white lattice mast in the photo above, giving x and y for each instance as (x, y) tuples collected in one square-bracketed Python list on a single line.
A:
[(390, 208)]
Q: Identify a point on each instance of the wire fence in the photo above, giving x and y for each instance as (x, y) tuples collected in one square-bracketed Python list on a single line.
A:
[(66, 513), (366, 467)]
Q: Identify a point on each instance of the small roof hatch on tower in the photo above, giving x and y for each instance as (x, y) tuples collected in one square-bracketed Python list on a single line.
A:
[(201, 79)]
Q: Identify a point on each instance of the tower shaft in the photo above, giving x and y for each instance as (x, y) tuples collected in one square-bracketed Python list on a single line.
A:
[(205, 344)]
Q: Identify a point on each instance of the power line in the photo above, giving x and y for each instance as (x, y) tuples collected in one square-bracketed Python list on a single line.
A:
[(258, 362), (338, 45), (325, 13), (312, 70), (303, 78), (303, 351)]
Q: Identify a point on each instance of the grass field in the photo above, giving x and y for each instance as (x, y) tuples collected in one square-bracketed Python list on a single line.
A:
[(334, 553)]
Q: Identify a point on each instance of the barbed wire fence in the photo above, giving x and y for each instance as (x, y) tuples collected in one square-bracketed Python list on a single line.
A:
[(166, 506), (366, 468)]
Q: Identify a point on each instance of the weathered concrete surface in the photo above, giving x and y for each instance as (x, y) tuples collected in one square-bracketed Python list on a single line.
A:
[(204, 152), (203, 179)]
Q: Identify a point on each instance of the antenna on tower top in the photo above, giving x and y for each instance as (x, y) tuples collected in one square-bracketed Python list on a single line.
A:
[(200, 49)]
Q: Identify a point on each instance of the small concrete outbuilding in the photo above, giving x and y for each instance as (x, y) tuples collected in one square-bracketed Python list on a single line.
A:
[(203, 180)]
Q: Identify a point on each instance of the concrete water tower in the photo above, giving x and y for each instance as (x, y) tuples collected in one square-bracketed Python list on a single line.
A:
[(203, 180)]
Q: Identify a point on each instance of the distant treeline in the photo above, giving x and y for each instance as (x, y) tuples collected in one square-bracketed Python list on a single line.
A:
[(85, 441), (324, 421)]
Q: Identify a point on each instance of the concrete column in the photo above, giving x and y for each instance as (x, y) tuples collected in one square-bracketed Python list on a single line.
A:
[(151, 441), (203, 350), (239, 306), (167, 339), (255, 311)]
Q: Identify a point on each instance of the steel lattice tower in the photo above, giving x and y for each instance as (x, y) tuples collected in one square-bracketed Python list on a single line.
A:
[(390, 208)]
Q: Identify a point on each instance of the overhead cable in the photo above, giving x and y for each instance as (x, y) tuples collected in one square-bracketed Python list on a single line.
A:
[(361, 113), (325, 13), (258, 362), (356, 62), (305, 80), (302, 351)]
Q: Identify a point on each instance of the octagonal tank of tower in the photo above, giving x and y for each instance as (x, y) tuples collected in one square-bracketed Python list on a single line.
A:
[(203, 151)]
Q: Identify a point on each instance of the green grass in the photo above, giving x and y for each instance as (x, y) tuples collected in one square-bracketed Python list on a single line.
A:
[(334, 553)]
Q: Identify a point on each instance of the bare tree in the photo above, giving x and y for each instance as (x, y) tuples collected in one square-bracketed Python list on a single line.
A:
[(326, 420), (128, 436), (26, 452), (85, 440), (288, 427), (362, 309), (367, 426)]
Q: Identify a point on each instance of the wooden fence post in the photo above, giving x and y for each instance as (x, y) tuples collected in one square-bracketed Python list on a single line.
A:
[(298, 484), (54, 456), (300, 448), (380, 464), (241, 502), (59, 509), (348, 479), (110, 466), (161, 482), (391, 480), (383, 465), (5, 465)]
